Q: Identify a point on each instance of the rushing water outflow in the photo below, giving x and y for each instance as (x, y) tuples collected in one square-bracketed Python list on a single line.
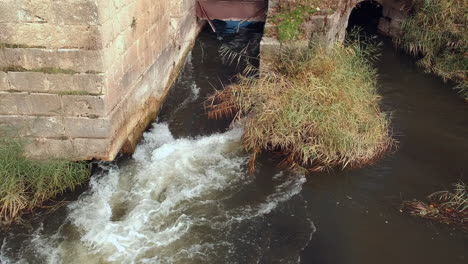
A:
[(184, 197), (174, 202)]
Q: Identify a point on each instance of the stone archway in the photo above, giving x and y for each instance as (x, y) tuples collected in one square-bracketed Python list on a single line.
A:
[(386, 15), (366, 15), (394, 12)]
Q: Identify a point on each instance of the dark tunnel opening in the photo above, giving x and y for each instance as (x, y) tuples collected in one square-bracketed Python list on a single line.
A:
[(366, 15)]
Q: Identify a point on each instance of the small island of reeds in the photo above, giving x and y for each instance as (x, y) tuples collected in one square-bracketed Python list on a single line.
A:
[(318, 107)]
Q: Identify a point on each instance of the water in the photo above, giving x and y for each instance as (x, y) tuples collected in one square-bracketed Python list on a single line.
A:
[(186, 197), (357, 212)]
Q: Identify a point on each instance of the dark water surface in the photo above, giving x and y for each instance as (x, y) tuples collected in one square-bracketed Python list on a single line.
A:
[(356, 212), (186, 196)]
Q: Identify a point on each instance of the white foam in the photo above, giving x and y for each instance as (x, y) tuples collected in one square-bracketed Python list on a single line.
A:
[(4, 253), (172, 172), (169, 204)]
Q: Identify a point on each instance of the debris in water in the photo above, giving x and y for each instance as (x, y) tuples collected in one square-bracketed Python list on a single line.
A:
[(448, 207)]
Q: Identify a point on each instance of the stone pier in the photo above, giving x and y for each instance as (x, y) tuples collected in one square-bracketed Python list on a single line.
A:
[(82, 79)]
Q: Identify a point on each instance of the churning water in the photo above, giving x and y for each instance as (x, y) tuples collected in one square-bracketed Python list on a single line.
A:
[(176, 201), (184, 197)]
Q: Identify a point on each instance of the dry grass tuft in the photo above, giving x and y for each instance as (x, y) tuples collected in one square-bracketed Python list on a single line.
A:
[(448, 207), (438, 32), (26, 184), (318, 107)]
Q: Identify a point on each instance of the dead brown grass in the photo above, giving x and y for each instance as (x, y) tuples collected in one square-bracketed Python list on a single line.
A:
[(318, 107)]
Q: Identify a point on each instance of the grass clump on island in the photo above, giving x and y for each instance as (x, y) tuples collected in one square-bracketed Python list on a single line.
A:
[(26, 184), (318, 107), (448, 207), (438, 32)]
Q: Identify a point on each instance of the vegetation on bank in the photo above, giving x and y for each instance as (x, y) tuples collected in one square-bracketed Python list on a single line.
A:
[(448, 207), (438, 32), (318, 107), (290, 17), (25, 184)]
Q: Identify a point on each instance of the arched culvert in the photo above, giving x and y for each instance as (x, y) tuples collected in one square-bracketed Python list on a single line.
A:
[(366, 15)]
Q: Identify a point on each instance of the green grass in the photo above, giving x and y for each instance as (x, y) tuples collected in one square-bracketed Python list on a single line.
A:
[(437, 31), (289, 23), (318, 107), (290, 16), (26, 184)]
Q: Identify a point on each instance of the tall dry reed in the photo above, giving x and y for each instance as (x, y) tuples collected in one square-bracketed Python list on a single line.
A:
[(318, 107)]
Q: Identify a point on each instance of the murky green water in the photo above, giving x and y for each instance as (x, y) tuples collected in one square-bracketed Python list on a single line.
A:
[(186, 196)]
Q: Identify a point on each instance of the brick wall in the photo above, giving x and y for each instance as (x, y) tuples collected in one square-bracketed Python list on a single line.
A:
[(82, 78)]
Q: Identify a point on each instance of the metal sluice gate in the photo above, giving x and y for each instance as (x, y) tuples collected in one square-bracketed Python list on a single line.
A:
[(237, 10)]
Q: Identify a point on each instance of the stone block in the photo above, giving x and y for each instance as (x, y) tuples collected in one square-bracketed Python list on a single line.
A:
[(30, 126), (56, 83), (83, 105), (49, 11), (270, 48), (4, 84), (88, 127), (44, 148), (30, 104), (69, 59), (44, 104), (91, 83), (28, 81), (80, 83), (74, 149), (50, 35)]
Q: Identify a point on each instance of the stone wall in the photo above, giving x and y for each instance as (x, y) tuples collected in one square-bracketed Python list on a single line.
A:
[(82, 78), (329, 26)]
